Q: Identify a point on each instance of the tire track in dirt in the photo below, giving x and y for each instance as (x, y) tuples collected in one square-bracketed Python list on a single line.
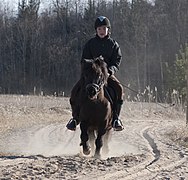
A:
[(156, 151), (171, 154), (46, 137), (140, 169), (157, 163)]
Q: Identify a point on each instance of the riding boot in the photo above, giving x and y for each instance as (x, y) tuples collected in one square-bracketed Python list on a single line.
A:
[(117, 123), (71, 125), (74, 121)]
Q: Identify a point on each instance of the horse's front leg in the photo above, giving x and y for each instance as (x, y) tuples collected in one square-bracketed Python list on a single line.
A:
[(106, 138), (84, 138), (99, 143)]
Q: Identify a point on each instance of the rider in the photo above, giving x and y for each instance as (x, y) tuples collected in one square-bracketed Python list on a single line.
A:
[(101, 44)]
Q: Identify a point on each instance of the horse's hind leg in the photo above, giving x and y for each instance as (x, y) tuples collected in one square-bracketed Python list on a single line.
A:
[(84, 139)]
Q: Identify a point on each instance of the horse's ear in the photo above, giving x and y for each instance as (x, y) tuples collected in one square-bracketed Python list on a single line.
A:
[(87, 60), (101, 58), (86, 63)]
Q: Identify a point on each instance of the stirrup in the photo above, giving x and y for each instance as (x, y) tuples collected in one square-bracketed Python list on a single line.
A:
[(71, 125), (118, 125)]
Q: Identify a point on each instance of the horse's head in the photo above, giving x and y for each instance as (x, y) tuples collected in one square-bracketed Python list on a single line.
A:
[(95, 75)]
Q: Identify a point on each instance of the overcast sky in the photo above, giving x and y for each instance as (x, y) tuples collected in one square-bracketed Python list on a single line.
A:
[(13, 4)]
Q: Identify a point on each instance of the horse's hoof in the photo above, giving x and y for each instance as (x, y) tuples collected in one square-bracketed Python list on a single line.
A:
[(97, 156), (87, 151)]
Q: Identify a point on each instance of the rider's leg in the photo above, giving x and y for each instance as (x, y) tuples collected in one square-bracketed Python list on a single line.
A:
[(74, 121), (74, 102), (117, 123)]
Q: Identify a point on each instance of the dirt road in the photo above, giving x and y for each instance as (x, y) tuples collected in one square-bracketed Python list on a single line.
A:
[(34, 143)]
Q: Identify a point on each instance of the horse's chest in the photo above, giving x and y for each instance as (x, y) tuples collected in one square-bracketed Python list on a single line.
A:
[(95, 104), (96, 109)]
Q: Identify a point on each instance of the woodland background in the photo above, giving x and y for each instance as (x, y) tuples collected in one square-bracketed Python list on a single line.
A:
[(40, 50)]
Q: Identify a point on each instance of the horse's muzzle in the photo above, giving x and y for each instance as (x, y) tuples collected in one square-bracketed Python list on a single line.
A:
[(92, 90)]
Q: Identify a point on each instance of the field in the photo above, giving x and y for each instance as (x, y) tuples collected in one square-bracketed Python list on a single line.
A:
[(35, 144)]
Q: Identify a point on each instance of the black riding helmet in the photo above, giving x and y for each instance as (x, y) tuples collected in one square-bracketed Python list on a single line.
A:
[(102, 20)]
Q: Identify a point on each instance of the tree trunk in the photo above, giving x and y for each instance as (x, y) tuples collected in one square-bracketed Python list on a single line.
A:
[(187, 90)]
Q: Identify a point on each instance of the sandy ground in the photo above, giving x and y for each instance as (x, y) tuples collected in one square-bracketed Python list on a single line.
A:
[(34, 143)]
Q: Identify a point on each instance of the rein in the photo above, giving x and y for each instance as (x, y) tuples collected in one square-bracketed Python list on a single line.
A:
[(170, 105)]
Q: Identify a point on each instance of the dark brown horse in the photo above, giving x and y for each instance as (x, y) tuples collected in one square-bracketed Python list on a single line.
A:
[(95, 109)]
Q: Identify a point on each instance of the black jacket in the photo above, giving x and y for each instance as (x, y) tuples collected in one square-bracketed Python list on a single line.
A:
[(108, 48)]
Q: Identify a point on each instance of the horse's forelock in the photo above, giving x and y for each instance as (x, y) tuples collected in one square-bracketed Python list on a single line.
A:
[(97, 65), (102, 67), (98, 61)]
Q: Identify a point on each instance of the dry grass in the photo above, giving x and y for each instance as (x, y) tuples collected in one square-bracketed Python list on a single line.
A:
[(180, 136), (17, 111)]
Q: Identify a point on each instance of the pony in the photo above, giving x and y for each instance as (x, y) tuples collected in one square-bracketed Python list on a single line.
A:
[(95, 109)]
